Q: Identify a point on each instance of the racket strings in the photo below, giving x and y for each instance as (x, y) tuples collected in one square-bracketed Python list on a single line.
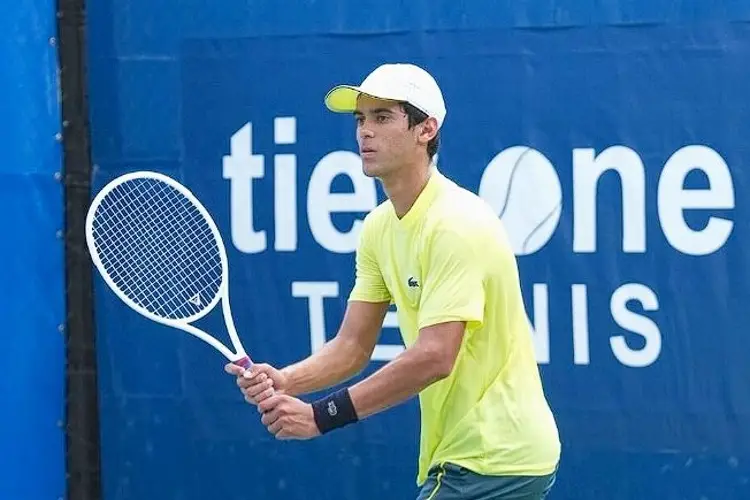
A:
[(181, 258), (178, 260), (110, 238), (202, 269), (144, 275), (147, 275), (158, 248), (139, 277)]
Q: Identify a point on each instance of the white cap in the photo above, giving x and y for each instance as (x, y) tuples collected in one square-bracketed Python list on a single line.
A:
[(394, 82)]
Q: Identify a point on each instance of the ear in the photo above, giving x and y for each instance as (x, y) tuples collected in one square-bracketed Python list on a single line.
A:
[(427, 130)]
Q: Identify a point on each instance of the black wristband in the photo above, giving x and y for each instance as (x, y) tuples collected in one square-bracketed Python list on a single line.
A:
[(334, 411)]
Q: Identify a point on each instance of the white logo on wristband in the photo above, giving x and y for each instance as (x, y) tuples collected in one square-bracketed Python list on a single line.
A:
[(332, 410)]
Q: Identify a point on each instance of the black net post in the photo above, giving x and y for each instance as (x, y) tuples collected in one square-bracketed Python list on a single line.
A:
[(82, 409)]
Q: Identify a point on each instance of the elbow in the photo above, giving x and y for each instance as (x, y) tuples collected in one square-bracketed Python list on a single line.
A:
[(443, 368), (437, 365), (437, 349)]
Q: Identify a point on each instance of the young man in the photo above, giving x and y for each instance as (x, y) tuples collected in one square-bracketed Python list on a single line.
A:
[(440, 254)]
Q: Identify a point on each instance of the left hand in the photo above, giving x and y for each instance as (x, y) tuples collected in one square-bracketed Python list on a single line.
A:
[(287, 417)]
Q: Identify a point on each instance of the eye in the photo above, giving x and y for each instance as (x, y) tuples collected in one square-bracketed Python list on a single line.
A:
[(381, 118)]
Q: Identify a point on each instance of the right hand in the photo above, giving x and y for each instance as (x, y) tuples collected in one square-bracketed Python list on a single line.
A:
[(259, 382)]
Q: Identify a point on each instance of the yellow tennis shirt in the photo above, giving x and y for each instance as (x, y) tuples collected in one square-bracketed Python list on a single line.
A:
[(448, 259)]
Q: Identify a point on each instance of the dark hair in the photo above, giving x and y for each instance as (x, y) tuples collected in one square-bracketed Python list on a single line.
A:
[(415, 117)]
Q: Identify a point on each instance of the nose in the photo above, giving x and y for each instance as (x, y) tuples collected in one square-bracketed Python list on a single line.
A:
[(363, 131)]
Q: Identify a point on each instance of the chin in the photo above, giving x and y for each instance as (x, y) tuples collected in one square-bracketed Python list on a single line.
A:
[(371, 169)]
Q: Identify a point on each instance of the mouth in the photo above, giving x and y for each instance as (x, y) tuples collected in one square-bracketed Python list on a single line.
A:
[(367, 154)]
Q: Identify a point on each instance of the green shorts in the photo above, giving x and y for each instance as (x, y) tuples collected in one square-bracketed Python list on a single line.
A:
[(452, 482)]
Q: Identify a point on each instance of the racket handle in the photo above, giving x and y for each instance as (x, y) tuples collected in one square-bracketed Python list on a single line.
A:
[(244, 362)]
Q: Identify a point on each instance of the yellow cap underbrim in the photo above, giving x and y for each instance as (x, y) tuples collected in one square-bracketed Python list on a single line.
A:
[(342, 99)]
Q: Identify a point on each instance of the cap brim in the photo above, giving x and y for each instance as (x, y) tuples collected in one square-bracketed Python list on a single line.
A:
[(342, 98)]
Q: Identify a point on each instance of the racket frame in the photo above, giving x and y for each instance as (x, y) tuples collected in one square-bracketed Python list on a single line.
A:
[(239, 357)]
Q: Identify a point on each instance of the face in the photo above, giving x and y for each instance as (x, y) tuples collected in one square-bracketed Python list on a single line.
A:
[(386, 144)]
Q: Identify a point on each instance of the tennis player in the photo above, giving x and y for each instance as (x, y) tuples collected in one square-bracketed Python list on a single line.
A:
[(439, 253)]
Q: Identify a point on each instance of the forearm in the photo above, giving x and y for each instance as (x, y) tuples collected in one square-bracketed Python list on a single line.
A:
[(399, 380), (337, 361)]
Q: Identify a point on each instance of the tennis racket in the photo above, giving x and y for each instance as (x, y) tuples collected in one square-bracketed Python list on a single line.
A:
[(159, 250)]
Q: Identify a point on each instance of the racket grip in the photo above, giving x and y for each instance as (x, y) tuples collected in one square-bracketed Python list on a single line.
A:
[(243, 362)]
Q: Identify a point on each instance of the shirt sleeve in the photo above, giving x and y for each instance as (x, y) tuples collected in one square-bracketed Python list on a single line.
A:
[(369, 285), (453, 281)]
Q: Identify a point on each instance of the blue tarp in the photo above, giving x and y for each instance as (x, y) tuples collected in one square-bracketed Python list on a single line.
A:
[(32, 287)]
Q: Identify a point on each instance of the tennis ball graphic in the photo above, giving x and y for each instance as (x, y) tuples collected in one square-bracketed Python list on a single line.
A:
[(522, 186)]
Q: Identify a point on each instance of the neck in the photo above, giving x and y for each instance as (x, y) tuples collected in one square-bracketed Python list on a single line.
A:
[(404, 187)]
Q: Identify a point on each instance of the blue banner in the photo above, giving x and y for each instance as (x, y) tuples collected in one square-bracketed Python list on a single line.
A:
[(615, 157), (32, 274)]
